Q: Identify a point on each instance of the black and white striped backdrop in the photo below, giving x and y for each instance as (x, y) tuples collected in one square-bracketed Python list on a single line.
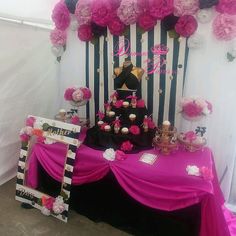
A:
[(161, 91)]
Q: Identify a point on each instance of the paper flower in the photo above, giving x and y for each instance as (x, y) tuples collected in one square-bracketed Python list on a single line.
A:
[(24, 137), (207, 3), (77, 96), (140, 103), (193, 170), (30, 121), (151, 124), (58, 205), (227, 6), (169, 22), (83, 12), (48, 202), (58, 37), (186, 25), (102, 126), (119, 104), (129, 11), (205, 15), (85, 33), (68, 94), (126, 146), (74, 120), (116, 26), (134, 129), (206, 173), (87, 93), (57, 50), (71, 4), (102, 12), (98, 30), (109, 154), (120, 156), (161, 8), (195, 41), (190, 136), (100, 115), (224, 27), (146, 21), (61, 16), (185, 7)]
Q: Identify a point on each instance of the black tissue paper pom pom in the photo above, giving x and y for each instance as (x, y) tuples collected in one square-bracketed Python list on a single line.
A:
[(169, 22)]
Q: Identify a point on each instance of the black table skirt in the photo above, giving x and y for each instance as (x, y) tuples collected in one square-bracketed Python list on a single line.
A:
[(106, 201)]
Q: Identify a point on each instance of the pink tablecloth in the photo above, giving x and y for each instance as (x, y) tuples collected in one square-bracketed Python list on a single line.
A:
[(164, 185)]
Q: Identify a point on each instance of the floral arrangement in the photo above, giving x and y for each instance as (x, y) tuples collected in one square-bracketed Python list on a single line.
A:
[(204, 172), (52, 205), (77, 96), (111, 155), (195, 108), (126, 146)]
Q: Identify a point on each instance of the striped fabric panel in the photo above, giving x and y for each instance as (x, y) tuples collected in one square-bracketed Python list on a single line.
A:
[(161, 91)]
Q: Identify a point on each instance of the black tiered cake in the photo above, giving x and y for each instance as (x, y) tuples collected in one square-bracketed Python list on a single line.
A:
[(125, 124)]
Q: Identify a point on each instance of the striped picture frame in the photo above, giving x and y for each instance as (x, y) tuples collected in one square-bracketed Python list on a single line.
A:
[(60, 132), (161, 91)]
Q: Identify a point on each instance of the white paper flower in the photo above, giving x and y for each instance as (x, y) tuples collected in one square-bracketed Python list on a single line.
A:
[(45, 211), (195, 41), (193, 170), (57, 51), (205, 15), (58, 206), (109, 154)]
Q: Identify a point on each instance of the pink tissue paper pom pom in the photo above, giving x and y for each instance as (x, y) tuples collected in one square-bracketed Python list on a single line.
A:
[(190, 136), (83, 12), (141, 103), (61, 16), (58, 37), (206, 173), (146, 21), (85, 33), (224, 27), (161, 8), (78, 95), (87, 93), (30, 121), (129, 11), (185, 7), (134, 129), (186, 25), (120, 156), (75, 120), (227, 6), (68, 94), (24, 137), (192, 110), (102, 12), (116, 27), (126, 146)]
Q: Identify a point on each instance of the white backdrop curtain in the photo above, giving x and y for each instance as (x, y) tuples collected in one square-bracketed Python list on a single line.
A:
[(211, 76), (28, 85)]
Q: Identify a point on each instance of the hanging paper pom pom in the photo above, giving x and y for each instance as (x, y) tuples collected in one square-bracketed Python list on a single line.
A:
[(58, 37), (161, 8), (85, 33), (186, 25), (146, 21), (207, 3), (116, 27), (224, 27), (204, 15), (61, 16), (183, 7), (71, 4), (227, 6), (83, 12)]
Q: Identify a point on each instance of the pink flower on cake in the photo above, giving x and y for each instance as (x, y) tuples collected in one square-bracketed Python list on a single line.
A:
[(61, 16), (30, 121), (116, 26), (227, 6), (134, 129), (146, 21), (126, 146), (185, 7), (224, 27), (68, 94), (206, 173), (186, 25), (129, 11), (161, 8), (58, 37), (119, 104), (141, 103), (75, 120), (83, 12), (85, 33)]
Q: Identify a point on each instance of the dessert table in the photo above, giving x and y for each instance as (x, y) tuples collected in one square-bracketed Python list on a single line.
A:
[(165, 185)]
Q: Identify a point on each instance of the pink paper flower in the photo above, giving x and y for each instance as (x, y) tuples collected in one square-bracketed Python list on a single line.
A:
[(75, 120), (151, 124), (186, 25), (48, 202), (224, 27), (78, 95), (119, 104), (190, 136), (146, 21), (58, 37), (120, 156), (83, 12), (126, 146), (30, 121), (61, 16), (100, 115), (24, 137), (129, 11), (116, 26), (161, 8), (85, 33), (185, 7), (227, 6), (206, 173), (87, 93), (102, 12), (192, 109), (141, 103), (134, 129), (68, 94)]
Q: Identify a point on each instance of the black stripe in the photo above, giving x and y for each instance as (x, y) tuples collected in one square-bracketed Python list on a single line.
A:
[(87, 77), (127, 37), (22, 171), (96, 77), (73, 148), (105, 69), (67, 187), (68, 174), (23, 159), (70, 161), (19, 181), (115, 46), (139, 51), (185, 63)]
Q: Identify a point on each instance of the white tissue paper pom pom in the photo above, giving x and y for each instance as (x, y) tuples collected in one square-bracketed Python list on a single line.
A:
[(58, 206), (205, 15), (195, 41)]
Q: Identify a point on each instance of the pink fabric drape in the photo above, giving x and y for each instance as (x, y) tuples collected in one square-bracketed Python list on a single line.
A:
[(164, 185)]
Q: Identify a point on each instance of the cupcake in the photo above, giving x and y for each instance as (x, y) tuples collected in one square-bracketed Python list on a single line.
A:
[(124, 130), (107, 128), (100, 122), (125, 104), (111, 113), (132, 117)]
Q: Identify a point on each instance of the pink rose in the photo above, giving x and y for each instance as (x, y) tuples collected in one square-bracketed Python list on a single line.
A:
[(30, 121), (186, 25), (120, 156), (126, 146), (61, 16), (141, 103), (146, 22), (87, 93), (134, 129), (224, 27), (161, 8), (116, 27), (78, 95), (83, 12), (68, 94), (192, 109), (75, 120), (185, 7), (206, 173), (58, 37), (227, 6), (85, 33)]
